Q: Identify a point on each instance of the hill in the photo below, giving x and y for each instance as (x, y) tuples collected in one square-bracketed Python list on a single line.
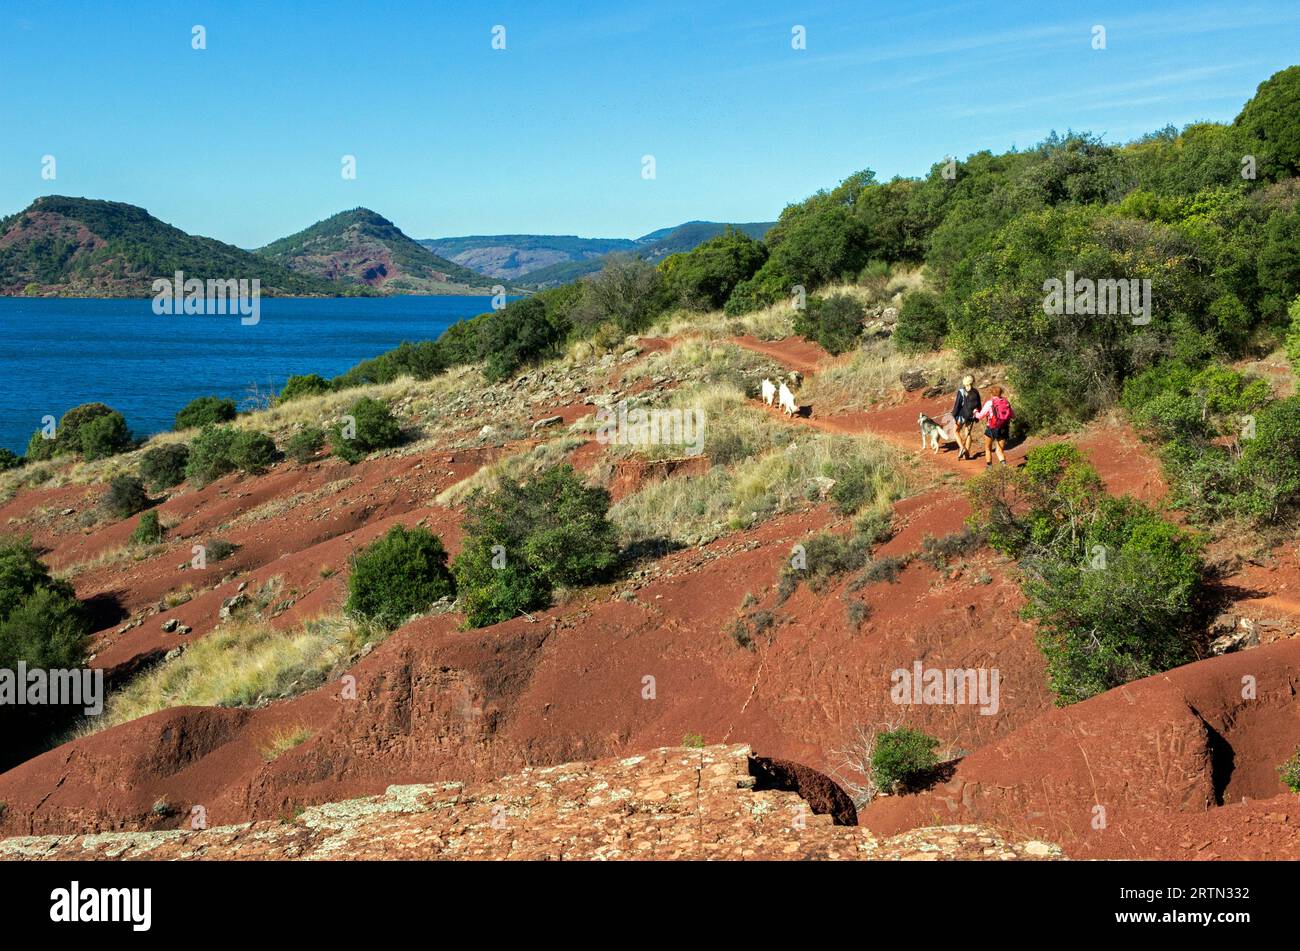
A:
[(510, 256), (360, 247), (83, 247), (549, 260)]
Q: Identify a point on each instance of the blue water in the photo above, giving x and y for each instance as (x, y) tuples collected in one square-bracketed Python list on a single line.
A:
[(57, 353)]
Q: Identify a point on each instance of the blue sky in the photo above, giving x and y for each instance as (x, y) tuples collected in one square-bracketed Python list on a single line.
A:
[(243, 141)]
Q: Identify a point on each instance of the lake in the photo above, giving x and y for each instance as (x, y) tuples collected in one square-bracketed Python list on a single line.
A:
[(57, 353)]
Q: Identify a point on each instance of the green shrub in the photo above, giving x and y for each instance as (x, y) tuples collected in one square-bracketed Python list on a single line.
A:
[(401, 574), (9, 460), (885, 569), (839, 321), (828, 555), (940, 553), (211, 455), (47, 629), (372, 427), (148, 531), (299, 387), (164, 466), (1293, 335), (68, 435), (125, 497), (1268, 472), (520, 334), (218, 549), (252, 452), (39, 447), (524, 539), (903, 760), (205, 411), (922, 322), (1226, 446), (41, 622), (1290, 772), (768, 285), (1115, 588), (417, 360), (104, 436), (306, 444), (627, 290), (858, 482)]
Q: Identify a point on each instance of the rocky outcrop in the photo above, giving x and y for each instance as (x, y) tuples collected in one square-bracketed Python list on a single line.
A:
[(672, 803)]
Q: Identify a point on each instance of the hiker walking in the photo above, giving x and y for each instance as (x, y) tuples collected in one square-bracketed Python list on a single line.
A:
[(964, 409), (996, 415)]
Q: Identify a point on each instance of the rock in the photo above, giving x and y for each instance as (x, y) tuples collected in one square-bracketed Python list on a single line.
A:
[(486, 432), (932, 391), (174, 652), (889, 315), (1242, 635), (912, 379), (231, 605), (183, 629), (170, 625), (242, 586), (68, 512), (547, 421)]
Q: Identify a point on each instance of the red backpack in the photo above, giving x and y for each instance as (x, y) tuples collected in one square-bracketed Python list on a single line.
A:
[(1002, 412)]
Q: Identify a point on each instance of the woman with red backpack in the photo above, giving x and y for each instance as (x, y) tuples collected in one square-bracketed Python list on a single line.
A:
[(997, 415)]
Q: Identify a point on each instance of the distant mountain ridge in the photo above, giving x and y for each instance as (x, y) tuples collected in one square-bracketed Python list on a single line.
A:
[(511, 256), (362, 248), (86, 247), (546, 260)]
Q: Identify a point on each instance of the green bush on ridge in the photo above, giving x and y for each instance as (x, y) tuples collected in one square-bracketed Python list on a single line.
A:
[(367, 426), (204, 411), (523, 540), (402, 573)]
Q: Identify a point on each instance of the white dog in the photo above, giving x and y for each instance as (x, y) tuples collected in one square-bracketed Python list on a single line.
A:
[(787, 400), (769, 392)]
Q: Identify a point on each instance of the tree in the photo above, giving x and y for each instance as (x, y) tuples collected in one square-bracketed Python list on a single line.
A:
[(703, 278), (1272, 119), (627, 290), (104, 436), (203, 411), (922, 322)]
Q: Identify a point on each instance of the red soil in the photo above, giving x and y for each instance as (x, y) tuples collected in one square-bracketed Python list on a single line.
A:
[(433, 702)]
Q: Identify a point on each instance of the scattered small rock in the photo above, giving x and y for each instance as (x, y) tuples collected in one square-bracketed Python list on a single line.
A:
[(912, 379), (547, 421)]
